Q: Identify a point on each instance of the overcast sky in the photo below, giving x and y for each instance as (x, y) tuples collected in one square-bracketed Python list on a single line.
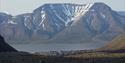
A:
[(15, 7)]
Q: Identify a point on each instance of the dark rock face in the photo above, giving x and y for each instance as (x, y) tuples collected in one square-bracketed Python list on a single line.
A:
[(4, 47)]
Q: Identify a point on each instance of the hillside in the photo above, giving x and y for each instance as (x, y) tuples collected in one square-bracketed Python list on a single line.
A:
[(116, 44), (4, 47)]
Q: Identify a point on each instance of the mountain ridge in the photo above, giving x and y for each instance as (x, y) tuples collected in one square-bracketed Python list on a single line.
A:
[(64, 22)]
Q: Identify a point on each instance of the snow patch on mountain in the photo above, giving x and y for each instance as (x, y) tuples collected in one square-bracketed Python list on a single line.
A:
[(84, 10), (64, 22), (103, 15), (43, 17)]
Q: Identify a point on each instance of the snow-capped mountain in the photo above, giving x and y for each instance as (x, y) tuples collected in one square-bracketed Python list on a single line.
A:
[(95, 22)]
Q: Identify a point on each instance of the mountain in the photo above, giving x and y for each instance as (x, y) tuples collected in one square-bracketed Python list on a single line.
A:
[(4, 47), (122, 13), (63, 23), (116, 44)]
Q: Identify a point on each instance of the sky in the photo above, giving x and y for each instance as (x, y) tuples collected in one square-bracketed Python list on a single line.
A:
[(16, 7)]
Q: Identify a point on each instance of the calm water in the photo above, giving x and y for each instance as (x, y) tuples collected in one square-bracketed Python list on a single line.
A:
[(54, 47)]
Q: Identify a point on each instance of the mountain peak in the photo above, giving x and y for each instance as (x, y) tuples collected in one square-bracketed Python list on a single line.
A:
[(60, 19), (98, 6), (100, 3), (101, 6), (97, 3), (60, 5)]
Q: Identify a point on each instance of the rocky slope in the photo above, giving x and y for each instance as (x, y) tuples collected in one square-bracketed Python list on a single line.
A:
[(122, 13), (116, 44), (63, 23)]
